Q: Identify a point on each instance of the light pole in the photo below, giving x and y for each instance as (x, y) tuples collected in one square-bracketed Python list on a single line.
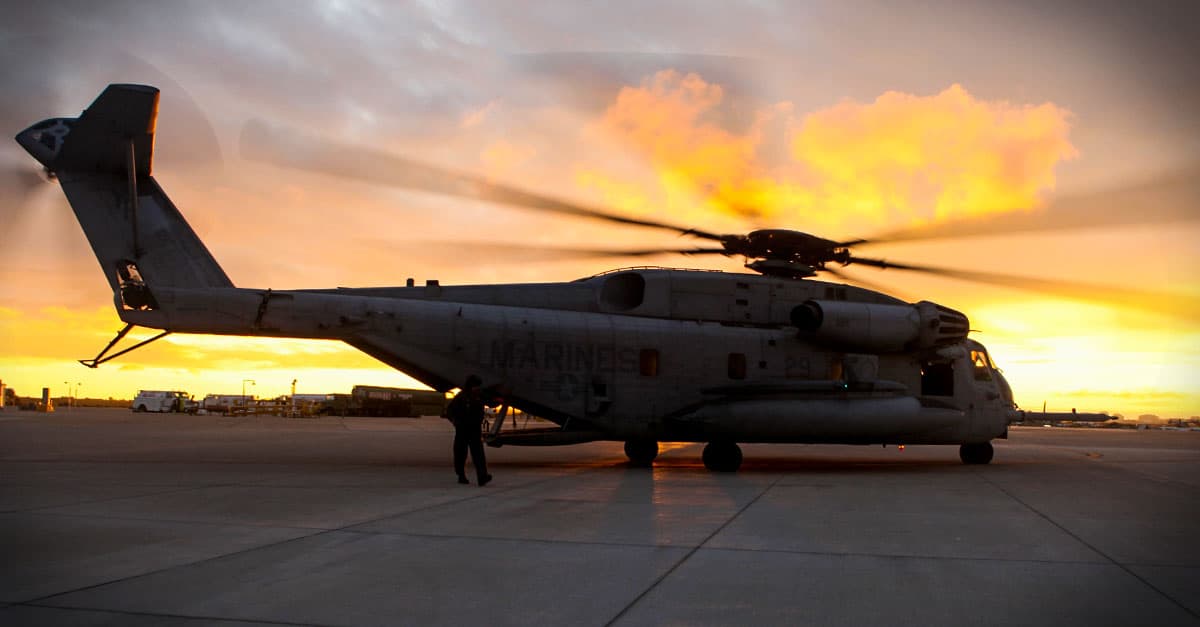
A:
[(245, 408), (72, 393)]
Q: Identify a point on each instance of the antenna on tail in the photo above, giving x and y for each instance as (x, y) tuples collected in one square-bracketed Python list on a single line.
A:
[(131, 172)]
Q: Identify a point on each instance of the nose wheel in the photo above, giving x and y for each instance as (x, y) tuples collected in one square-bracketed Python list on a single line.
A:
[(722, 456), (978, 453)]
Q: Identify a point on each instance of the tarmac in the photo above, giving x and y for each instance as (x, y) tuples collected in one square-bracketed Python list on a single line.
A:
[(114, 518)]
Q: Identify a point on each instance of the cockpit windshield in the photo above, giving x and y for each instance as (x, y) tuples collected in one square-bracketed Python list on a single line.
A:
[(981, 365)]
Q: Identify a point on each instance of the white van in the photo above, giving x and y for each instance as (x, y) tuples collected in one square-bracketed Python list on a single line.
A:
[(160, 401)]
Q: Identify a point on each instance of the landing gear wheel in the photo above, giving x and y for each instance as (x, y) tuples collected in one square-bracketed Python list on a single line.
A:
[(641, 453), (978, 453), (722, 456)]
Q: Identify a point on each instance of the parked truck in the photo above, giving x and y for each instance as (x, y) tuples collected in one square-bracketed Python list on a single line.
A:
[(163, 401)]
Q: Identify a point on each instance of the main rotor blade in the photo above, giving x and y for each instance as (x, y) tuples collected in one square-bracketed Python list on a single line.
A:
[(871, 285), (1173, 197), (34, 213), (21, 187), (1175, 304), (22, 178), (485, 251), (293, 149)]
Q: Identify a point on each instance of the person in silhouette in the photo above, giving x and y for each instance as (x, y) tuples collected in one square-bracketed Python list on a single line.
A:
[(465, 411)]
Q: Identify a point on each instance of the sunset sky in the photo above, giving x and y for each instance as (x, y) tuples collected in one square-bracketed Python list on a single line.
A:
[(844, 119)]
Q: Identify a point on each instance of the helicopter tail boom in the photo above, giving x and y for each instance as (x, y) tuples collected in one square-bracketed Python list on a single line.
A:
[(103, 161)]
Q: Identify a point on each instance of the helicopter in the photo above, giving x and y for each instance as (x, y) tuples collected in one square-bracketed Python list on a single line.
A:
[(639, 355)]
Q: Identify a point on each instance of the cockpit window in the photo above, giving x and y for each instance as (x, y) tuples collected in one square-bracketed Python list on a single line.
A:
[(981, 365)]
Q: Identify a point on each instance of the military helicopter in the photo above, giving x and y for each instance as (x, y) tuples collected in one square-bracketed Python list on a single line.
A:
[(641, 355)]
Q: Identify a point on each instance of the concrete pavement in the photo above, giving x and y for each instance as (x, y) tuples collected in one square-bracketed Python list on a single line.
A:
[(107, 517)]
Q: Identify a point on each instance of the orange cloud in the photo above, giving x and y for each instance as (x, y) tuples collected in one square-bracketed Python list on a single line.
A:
[(901, 157), (950, 153), (669, 119)]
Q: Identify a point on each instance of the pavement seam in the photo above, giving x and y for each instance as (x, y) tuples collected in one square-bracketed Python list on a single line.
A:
[(690, 553), (634, 545), (167, 615), (269, 545), (937, 558), (641, 545), (38, 600), (173, 521), (1089, 545)]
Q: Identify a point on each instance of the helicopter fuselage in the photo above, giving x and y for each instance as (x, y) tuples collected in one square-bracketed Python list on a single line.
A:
[(669, 355)]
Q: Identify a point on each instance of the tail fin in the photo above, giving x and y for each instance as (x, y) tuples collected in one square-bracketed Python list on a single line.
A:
[(103, 160)]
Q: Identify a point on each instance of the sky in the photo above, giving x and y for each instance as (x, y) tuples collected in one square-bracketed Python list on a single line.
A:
[(844, 119)]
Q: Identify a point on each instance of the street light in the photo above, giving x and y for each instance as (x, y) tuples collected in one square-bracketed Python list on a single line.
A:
[(71, 394), (245, 409)]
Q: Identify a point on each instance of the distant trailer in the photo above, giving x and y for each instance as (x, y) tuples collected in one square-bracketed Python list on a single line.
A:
[(225, 403), (310, 404), (369, 400)]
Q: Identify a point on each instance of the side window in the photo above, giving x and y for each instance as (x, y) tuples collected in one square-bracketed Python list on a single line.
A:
[(737, 366), (937, 379), (648, 362)]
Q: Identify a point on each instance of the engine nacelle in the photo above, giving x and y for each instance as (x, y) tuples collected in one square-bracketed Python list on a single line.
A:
[(875, 328)]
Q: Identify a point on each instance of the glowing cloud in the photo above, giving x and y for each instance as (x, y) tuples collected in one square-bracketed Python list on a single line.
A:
[(669, 118), (949, 152), (901, 157)]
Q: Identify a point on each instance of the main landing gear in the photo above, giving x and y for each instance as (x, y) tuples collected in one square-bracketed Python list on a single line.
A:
[(641, 453), (722, 456), (719, 456), (978, 453)]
